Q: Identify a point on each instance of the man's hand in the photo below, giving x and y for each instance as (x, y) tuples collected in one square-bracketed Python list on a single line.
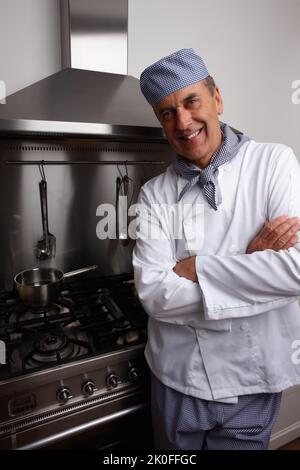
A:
[(187, 268), (278, 234)]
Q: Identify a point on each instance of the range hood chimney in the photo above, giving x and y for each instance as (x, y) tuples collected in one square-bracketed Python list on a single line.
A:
[(94, 35), (92, 95)]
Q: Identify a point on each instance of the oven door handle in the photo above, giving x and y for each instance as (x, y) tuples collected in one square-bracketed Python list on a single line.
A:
[(83, 427)]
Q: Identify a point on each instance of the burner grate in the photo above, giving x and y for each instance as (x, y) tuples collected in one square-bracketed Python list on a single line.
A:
[(55, 349)]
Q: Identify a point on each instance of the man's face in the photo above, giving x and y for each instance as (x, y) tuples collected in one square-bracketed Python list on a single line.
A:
[(190, 120)]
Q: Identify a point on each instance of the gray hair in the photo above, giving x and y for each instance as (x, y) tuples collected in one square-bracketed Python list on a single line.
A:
[(211, 84)]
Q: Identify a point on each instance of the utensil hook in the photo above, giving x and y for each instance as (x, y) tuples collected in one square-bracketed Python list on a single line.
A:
[(42, 170)]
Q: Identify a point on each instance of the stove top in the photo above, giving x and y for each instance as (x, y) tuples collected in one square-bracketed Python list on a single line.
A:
[(91, 317)]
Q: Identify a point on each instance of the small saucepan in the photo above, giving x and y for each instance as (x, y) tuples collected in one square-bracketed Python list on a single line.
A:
[(39, 287)]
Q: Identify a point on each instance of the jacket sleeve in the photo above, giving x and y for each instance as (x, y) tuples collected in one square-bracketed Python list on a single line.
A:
[(250, 284), (164, 295)]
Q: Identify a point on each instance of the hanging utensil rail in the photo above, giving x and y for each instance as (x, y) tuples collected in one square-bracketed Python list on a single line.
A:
[(83, 162)]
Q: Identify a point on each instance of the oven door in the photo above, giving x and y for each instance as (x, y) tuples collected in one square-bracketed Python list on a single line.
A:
[(121, 424)]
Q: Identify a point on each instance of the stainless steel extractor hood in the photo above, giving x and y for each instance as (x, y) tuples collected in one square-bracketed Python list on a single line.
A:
[(92, 95)]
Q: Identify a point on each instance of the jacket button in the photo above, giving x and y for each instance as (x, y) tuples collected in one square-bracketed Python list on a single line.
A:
[(227, 167), (202, 333), (244, 326)]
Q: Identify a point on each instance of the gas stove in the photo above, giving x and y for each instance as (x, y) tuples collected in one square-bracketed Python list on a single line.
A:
[(73, 366)]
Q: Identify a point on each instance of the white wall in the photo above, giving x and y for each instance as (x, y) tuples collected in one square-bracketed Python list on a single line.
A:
[(29, 41), (252, 48)]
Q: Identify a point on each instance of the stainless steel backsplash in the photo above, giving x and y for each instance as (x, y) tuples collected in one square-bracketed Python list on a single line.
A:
[(74, 193)]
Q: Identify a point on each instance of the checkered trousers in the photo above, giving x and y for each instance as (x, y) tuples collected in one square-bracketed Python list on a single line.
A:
[(182, 422)]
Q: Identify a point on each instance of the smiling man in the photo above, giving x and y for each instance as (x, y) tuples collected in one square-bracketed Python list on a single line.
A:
[(223, 314), (190, 121)]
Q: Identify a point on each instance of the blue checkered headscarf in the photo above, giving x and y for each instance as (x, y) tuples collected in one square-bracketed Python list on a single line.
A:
[(172, 73)]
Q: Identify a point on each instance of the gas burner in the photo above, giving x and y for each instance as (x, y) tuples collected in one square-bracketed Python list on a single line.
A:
[(54, 349), (20, 314), (130, 337), (51, 346)]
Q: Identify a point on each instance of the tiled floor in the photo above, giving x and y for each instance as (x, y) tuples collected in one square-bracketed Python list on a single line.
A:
[(294, 445)]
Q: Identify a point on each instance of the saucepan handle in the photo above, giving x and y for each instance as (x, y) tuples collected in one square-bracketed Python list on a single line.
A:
[(81, 271)]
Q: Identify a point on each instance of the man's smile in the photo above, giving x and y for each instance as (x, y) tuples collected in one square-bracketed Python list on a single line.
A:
[(191, 136)]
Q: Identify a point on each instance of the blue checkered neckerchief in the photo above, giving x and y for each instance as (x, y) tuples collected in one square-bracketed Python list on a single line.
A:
[(208, 177)]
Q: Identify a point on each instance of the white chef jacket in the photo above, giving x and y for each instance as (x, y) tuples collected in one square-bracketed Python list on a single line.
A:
[(237, 331)]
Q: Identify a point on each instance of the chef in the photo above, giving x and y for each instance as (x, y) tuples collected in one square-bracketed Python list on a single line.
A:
[(221, 298)]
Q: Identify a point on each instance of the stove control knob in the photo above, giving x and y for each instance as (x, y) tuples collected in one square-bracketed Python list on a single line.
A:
[(63, 394), (112, 380), (134, 373), (89, 387)]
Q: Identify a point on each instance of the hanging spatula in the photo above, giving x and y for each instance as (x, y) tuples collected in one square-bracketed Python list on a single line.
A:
[(46, 247)]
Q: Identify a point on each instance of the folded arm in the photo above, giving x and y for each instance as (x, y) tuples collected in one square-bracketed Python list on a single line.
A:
[(258, 281), (278, 234)]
